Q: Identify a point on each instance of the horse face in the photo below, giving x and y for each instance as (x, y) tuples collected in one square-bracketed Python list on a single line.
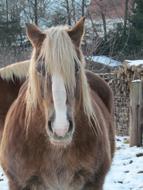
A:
[(60, 106), (59, 113), (59, 102)]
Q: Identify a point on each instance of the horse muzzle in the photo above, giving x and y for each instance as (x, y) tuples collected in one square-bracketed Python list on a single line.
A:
[(62, 135)]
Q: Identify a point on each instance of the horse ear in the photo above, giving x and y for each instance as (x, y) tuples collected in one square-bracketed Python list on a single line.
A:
[(77, 32), (34, 34)]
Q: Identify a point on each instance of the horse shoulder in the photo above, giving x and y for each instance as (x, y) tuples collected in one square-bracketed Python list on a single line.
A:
[(102, 89), (104, 95), (8, 93)]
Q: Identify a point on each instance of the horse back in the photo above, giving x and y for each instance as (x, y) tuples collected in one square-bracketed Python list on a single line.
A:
[(8, 93), (103, 97), (98, 85), (34, 155)]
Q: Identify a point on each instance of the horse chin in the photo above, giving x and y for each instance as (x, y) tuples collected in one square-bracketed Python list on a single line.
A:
[(62, 142)]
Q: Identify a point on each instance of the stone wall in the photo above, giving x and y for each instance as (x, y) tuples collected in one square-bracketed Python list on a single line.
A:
[(120, 81)]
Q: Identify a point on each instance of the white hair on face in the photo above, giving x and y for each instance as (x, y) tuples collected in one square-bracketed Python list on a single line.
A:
[(59, 99)]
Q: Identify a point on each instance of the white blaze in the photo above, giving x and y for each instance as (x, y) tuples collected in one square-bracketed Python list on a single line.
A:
[(60, 124)]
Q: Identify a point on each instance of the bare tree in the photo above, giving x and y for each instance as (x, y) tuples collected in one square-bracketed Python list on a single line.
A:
[(36, 12), (74, 11), (102, 10), (68, 11), (83, 8), (104, 24), (7, 16), (126, 15)]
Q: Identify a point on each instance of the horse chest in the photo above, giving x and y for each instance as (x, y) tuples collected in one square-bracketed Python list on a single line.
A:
[(63, 179), (60, 176)]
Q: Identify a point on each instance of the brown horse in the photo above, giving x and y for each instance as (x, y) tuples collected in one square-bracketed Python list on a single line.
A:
[(14, 75), (59, 132), (11, 79)]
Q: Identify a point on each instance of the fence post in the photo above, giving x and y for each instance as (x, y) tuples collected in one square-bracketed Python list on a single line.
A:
[(136, 113)]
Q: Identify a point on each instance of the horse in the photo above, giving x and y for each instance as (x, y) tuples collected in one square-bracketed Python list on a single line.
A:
[(11, 79), (59, 131), (14, 75)]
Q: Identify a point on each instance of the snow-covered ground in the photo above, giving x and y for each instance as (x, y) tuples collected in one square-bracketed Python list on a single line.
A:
[(113, 63), (126, 172), (3, 181), (134, 62), (127, 168), (105, 60)]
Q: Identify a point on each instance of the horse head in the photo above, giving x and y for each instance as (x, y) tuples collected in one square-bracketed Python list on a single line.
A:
[(57, 81)]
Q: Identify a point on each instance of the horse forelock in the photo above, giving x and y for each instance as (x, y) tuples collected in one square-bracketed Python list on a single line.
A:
[(59, 56)]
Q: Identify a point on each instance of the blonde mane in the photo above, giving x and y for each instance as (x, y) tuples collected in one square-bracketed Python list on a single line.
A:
[(59, 56), (18, 70)]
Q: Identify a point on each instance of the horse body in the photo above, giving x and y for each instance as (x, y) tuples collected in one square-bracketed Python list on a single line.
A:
[(11, 79), (35, 157), (35, 161), (11, 82), (9, 92)]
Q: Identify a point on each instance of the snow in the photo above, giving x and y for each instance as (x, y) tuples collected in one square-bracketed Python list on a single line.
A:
[(3, 181), (105, 60), (138, 80), (127, 169), (126, 172), (134, 62), (113, 63)]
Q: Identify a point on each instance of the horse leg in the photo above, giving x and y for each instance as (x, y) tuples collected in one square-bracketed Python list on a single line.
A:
[(98, 182), (13, 185), (1, 127), (93, 186)]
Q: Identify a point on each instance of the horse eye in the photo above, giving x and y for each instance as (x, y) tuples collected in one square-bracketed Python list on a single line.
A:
[(77, 67), (41, 69)]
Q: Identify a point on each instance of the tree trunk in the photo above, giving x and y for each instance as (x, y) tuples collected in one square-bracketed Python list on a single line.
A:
[(73, 8), (104, 25), (83, 8), (7, 17), (36, 12), (126, 16), (68, 12)]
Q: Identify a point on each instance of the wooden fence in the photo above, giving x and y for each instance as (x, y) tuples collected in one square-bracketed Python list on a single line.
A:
[(136, 113)]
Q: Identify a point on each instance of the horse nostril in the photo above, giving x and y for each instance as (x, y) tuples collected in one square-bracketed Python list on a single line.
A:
[(50, 126), (60, 130), (70, 126)]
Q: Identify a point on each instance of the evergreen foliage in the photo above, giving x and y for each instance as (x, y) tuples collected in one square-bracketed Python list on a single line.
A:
[(136, 21), (130, 43)]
